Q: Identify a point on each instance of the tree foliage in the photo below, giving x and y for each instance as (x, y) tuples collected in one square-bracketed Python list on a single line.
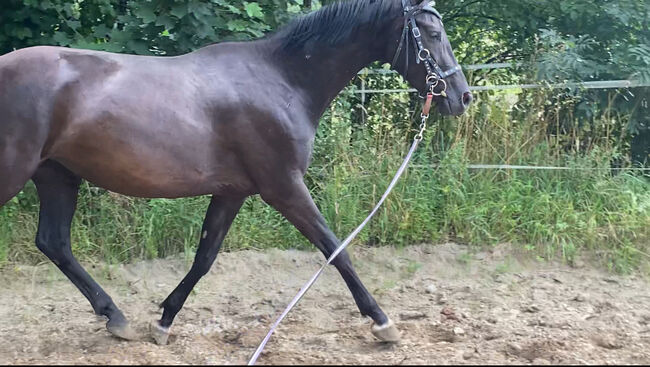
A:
[(161, 27), (577, 39), (565, 39), (581, 39)]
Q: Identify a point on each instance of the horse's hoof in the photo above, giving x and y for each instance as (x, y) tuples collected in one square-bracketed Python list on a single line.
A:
[(159, 333), (387, 332), (121, 330)]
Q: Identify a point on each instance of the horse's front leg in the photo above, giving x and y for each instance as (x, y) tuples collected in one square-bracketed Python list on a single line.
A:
[(296, 205), (219, 217)]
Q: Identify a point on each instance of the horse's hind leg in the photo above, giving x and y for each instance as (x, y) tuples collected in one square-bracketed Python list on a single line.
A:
[(219, 217), (57, 190), (296, 204)]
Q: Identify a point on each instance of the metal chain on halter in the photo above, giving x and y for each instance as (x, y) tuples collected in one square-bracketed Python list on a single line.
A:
[(424, 115), (423, 126)]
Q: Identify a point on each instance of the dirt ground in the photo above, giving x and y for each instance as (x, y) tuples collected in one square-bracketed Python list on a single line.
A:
[(452, 307)]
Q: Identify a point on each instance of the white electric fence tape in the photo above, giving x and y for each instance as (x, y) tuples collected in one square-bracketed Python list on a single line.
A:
[(553, 168), (601, 84)]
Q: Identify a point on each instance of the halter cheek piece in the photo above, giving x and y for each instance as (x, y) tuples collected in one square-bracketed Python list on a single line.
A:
[(435, 75)]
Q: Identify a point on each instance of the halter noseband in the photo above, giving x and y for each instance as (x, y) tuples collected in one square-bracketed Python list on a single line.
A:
[(435, 75)]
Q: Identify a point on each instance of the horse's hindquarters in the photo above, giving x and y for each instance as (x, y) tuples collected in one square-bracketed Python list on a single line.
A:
[(24, 108)]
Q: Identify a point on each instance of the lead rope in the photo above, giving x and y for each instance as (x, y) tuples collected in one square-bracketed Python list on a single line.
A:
[(303, 290)]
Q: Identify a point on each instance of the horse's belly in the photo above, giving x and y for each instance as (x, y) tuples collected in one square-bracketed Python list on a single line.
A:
[(170, 168), (156, 142)]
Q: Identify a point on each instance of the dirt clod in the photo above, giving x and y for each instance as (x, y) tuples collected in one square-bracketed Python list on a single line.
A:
[(532, 308), (412, 315), (607, 342), (468, 355), (514, 348), (579, 298), (448, 313), (540, 362), (431, 289), (492, 336)]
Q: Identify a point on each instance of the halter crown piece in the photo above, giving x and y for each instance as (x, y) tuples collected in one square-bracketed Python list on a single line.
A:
[(435, 75)]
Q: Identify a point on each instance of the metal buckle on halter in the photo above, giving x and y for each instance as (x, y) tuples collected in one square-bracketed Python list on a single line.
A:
[(443, 91), (416, 32), (426, 51)]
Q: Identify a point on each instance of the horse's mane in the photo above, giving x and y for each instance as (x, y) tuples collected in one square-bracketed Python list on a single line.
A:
[(335, 23)]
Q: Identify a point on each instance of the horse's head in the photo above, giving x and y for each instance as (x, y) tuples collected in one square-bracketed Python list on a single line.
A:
[(423, 55)]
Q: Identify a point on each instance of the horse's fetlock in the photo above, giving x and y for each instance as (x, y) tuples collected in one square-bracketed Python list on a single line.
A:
[(109, 309)]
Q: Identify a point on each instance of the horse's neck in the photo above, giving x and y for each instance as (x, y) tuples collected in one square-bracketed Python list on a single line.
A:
[(321, 72)]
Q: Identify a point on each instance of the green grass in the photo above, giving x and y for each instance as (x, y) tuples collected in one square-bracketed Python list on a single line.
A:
[(554, 214)]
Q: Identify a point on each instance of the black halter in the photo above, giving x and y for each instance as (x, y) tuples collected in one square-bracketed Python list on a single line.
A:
[(434, 72)]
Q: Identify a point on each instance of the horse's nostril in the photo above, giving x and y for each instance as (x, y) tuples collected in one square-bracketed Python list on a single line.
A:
[(467, 98)]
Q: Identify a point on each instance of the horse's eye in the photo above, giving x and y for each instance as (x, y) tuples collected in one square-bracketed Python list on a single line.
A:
[(436, 36)]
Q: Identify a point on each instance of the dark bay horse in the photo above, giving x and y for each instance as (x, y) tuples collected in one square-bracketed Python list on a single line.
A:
[(230, 120)]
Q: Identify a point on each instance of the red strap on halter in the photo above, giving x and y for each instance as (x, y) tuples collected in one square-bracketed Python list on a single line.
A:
[(427, 104)]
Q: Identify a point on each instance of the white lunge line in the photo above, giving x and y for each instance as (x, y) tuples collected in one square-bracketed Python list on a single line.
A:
[(516, 167), (342, 247)]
